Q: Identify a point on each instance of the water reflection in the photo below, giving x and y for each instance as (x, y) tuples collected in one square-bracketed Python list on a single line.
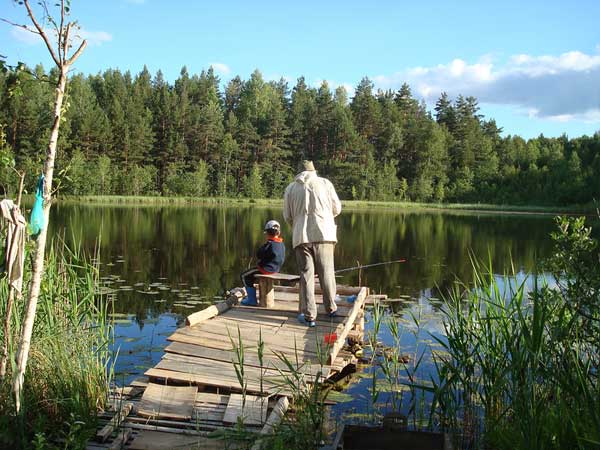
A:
[(161, 263)]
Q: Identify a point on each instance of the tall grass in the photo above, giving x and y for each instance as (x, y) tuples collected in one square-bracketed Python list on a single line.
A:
[(67, 378), (521, 370)]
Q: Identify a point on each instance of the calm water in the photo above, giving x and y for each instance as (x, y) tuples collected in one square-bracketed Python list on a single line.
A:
[(162, 263)]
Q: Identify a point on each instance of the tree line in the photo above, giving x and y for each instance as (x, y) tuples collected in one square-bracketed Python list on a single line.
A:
[(141, 135)]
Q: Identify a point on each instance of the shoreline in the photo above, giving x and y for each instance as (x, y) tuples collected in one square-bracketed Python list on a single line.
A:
[(124, 200)]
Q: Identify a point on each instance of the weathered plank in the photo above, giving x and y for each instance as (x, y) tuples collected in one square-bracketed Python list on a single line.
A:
[(157, 440), (305, 341), (114, 423), (279, 277), (251, 360), (211, 380), (358, 305), (207, 313), (273, 349), (252, 412), (219, 370), (274, 419), (174, 402)]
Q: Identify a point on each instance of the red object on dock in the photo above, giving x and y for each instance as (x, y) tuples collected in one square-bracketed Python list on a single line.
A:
[(330, 338)]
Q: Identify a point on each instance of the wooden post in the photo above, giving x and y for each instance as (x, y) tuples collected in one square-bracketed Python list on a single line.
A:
[(266, 293), (273, 420), (207, 313)]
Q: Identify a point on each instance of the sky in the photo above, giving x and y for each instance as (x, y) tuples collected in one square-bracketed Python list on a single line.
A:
[(533, 65)]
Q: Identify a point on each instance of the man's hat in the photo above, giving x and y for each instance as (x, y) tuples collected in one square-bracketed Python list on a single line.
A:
[(307, 165)]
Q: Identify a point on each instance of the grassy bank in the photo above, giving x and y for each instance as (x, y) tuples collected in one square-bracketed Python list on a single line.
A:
[(348, 204), (67, 380)]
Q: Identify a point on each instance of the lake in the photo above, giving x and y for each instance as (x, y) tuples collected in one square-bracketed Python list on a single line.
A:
[(159, 264)]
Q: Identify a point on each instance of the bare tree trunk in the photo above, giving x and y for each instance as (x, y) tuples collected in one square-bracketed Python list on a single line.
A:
[(59, 54), (38, 262)]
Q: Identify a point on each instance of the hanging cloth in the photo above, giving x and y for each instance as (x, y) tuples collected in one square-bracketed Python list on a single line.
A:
[(14, 251), (37, 222)]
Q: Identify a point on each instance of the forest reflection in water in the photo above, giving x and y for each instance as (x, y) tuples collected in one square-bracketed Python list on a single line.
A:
[(161, 263)]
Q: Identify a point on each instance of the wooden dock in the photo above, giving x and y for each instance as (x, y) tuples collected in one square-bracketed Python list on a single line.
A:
[(195, 389)]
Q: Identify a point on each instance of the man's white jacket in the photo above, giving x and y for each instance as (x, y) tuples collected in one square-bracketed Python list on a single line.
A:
[(309, 204)]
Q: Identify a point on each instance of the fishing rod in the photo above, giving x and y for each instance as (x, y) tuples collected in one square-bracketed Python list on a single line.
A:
[(402, 260)]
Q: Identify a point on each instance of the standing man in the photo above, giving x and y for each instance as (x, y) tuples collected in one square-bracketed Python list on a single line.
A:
[(310, 205)]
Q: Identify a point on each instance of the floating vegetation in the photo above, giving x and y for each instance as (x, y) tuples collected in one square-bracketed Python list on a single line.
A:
[(339, 397), (104, 290), (123, 322), (119, 316)]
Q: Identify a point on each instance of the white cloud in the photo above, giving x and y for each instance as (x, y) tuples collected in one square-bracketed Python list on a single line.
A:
[(29, 38), (94, 37), (562, 88), (24, 36), (220, 68)]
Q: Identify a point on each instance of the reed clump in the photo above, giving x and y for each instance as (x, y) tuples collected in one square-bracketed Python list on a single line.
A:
[(521, 369), (67, 378)]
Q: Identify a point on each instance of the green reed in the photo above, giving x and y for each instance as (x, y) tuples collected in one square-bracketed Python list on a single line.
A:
[(518, 373), (68, 373)]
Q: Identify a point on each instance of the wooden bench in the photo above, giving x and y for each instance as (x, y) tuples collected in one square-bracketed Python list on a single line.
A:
[(266, 292)]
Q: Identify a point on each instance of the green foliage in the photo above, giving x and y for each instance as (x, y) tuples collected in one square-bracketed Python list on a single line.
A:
[(143, 121), (67, 378), (185, 183), (253, 187), (521, 365)]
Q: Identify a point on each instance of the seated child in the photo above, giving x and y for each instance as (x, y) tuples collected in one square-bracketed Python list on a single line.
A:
[(270, 259)]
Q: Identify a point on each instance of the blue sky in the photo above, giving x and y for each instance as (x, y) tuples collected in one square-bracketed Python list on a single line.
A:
[(534, 66)]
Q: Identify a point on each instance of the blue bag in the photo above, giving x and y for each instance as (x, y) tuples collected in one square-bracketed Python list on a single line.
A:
[(36, 221)]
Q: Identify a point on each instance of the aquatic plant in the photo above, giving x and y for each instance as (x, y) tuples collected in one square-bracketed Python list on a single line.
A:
[(67, 378), (522, 365)]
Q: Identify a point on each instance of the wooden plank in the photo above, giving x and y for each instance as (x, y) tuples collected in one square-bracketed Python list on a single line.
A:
[(114, 423), (168, 440), (222, 345), (194, 424), (252, 360), (358, 305), (291, 315), (205, 314), (341, 289), (306, 340), (220, 370), (209, 397), (119, 442), (278, 276), (252, 387), (253, 412), (274, 419), (242, 318), (174, 402), (189, 351), (250, 336)]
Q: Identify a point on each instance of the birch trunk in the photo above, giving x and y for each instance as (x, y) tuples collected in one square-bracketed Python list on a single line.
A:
[(38, 261)]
